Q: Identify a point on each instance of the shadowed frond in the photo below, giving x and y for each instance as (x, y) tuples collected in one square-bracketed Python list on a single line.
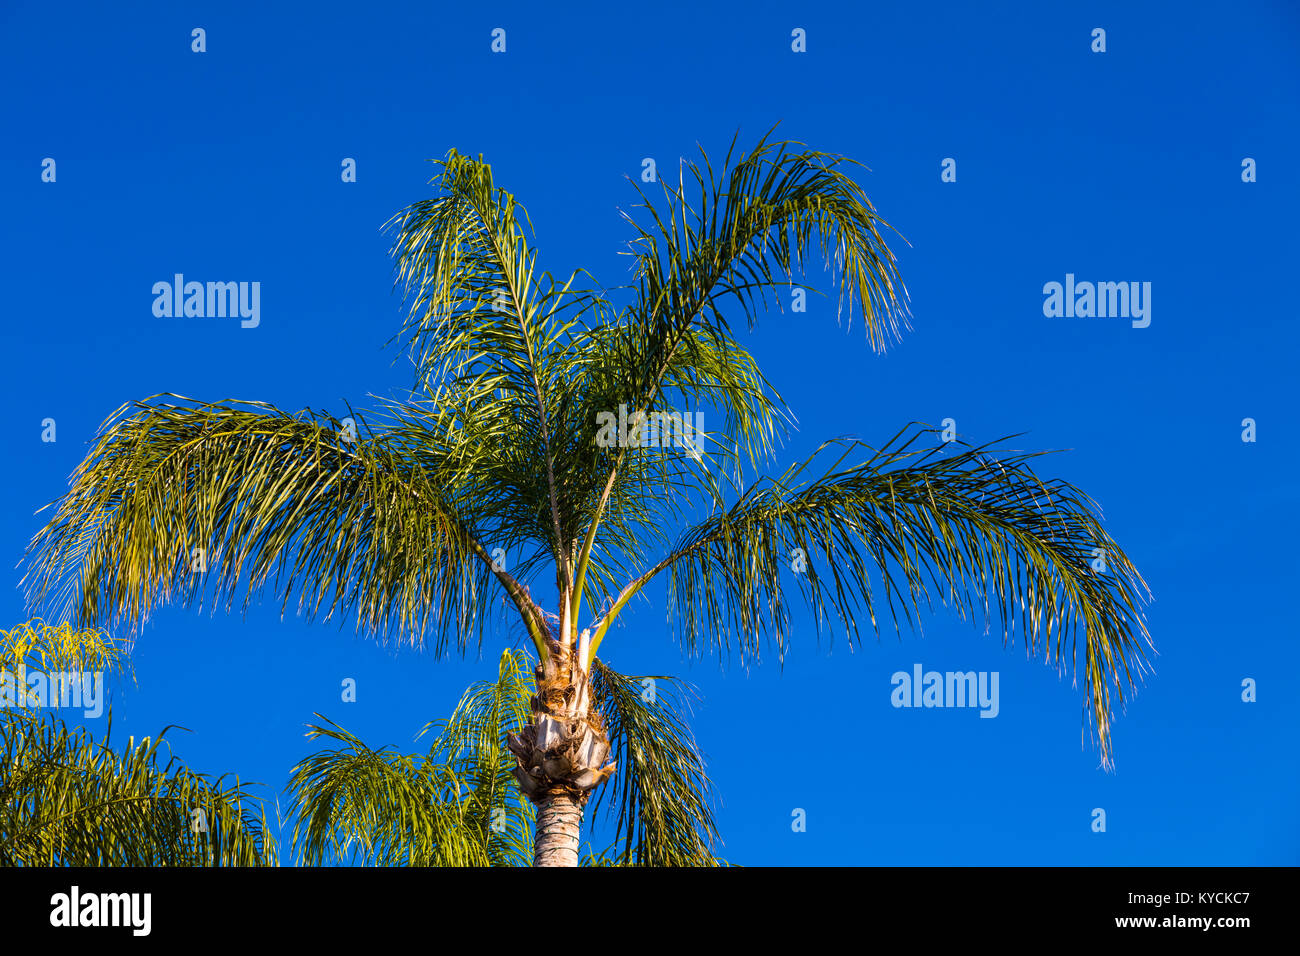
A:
[(710, 376), (974, 529), (69, 800), (661, 796), (732, 239), (457, 805)]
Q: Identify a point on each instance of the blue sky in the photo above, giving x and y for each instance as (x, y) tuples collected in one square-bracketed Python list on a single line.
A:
[(1117, 166)]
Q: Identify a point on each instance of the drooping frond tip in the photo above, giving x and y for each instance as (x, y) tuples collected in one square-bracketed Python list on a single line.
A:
[(741, 235), (920, 524)]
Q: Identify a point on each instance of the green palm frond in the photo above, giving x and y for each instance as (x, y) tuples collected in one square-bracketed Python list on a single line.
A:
[(477, 308), (976, 529), (481, 319), (176, 501), (457, 805), (379, 807), (730, 240), (726, 243), (63, 647), (661, 797), (67, 799), (472, 744)]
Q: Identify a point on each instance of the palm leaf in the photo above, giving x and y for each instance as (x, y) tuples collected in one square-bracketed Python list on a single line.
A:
[(975, 530), (38, 645), (727, 242), (454, 806), (661, 796), (176, 501), (67, 799)]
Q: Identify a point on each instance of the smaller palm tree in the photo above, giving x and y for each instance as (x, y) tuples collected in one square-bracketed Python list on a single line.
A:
[(69, 799)]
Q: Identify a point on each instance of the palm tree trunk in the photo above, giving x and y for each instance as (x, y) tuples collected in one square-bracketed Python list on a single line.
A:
[(560, 754), (559, 822)]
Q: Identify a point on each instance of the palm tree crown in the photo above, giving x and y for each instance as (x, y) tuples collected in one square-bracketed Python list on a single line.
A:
[(503, 466)]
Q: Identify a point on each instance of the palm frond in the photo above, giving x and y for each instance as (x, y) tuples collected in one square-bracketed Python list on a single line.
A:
[(472, 743), (732, 239), (661, 798), (67, 799), (176, 501), (726, 243), (480, 315), (976, 529), (38, 645), (454, 806), (378, 807)]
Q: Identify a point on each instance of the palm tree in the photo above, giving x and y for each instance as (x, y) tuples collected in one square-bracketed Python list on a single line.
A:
[(460, 805), (69, 799), (509, 461)]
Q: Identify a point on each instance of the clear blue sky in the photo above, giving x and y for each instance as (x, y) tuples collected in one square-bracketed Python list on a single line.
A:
[(1115, 166)]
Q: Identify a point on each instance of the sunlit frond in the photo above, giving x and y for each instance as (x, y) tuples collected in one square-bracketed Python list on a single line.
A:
[(176, 501), (64, 648), (481, 318)]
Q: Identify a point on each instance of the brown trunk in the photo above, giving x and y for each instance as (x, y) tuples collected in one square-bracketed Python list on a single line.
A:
[(560, 755), (559, 822)]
